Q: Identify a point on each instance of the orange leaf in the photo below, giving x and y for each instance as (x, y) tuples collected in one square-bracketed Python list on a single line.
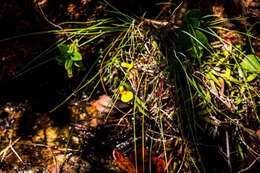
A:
[(124, 163), (159, 164)]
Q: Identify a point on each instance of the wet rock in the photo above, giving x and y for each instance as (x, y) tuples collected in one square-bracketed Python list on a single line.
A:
[(69, 165), (39, 137), (51, 135)]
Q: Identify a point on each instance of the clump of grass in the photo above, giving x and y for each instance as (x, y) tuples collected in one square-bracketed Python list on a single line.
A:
[(225, 79)]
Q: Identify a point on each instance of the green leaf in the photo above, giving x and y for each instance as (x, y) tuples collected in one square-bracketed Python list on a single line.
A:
[(191, 42), (240, 151), (61, 59), (76, 56), (70, 72), (140, 109), (72, 48), (212, 77), (192, 17), (183, 41), (79, 64), (68, 64), (142, 104), (201, 37), (228, 72), (63, 49), (251, 63), (251, 77)]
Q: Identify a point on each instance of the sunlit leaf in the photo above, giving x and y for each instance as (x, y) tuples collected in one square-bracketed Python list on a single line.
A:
[(211, 76), (79, 64), (68, 64), (228, 71), (76, 56), (240, 151), (142, 104), (72, 48), (251, 63), (124, 163), (251, 77)]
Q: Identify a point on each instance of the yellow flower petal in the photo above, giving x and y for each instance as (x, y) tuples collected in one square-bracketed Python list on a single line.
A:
[(127, 96), (127, 65), (121, 89)]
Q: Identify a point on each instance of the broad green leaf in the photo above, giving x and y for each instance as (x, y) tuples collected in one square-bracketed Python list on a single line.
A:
[(72, 48), (192, 17), (183, 41), (63, 48), (201, 37), (189, 43), (251, 77), (251, 63), (76, 56)]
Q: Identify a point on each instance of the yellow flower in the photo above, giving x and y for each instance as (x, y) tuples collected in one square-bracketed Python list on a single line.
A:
[(127, 65), (121, 89), (126, 96)]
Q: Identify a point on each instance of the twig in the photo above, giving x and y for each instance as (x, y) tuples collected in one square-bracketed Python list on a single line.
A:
[(228, 152), (55, 25), (10, 146), (247, 168), (55, 160), (52, 147)]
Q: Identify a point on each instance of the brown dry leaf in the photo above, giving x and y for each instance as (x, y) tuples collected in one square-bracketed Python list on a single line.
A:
[(84, 2), (71, 8), (103, 104), (124, 163), (93, 122)]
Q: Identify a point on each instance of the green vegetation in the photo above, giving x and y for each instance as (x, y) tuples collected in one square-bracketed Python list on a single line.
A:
[(70, 58)]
